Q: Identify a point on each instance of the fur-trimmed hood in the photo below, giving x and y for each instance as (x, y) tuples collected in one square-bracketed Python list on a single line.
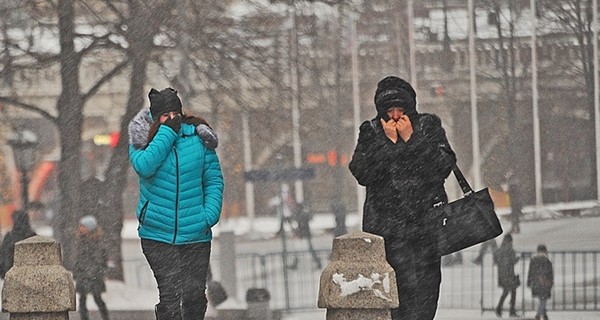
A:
[(140, 126)]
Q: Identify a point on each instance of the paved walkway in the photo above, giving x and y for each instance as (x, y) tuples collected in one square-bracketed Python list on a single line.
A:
[(447, 314), (444, 314)]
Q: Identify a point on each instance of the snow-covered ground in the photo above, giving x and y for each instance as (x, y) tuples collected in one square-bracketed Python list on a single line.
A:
[(564, 234)]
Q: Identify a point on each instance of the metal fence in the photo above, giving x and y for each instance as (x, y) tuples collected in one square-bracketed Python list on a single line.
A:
[(465, 285), (576, 286)]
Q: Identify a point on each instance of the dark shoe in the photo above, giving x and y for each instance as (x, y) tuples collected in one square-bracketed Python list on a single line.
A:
[(513, 314), (537, 317), (499, 312)]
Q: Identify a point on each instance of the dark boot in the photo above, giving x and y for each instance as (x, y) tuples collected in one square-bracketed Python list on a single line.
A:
[(499, 311)]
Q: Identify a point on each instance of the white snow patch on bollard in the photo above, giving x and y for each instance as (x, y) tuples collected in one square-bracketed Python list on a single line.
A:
[(363, 283)]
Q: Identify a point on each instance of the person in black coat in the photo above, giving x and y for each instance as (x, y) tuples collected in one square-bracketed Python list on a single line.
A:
[(90, 266), (21, 230), (540, 279), (402, 158), (506, 258)]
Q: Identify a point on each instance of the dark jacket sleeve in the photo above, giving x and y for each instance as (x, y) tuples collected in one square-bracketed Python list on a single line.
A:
[(430, 145), (372, 154)]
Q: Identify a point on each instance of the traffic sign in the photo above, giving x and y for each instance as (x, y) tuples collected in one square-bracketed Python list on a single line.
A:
[(285, 174)]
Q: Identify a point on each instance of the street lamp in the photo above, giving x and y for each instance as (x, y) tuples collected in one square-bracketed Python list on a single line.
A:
[(23, 144)]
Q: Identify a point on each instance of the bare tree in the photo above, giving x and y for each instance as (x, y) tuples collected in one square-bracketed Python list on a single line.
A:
[(504, 15), (59, 16), (571, 21)]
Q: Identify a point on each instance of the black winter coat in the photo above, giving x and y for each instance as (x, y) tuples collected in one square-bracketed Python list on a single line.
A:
[(404, 179), (540, 277), (8, 246), (506, 258), (91, 264)]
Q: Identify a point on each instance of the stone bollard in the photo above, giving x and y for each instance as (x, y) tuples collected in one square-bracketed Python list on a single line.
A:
[(38, 287), (358, 283)]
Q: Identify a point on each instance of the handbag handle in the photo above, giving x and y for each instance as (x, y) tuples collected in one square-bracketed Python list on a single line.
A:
[(462, 181)]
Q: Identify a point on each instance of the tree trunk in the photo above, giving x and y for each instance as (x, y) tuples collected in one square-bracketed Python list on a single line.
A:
[(70, 123), (140, 39), (116, 174)]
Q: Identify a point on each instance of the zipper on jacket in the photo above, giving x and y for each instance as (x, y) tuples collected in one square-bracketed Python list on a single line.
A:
[(207, 226), (143, 213), (176, 192)]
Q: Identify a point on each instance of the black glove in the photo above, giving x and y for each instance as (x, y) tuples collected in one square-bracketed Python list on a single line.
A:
[(174, 123)]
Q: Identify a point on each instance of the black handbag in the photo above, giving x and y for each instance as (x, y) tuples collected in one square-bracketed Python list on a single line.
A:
[(467, 221)]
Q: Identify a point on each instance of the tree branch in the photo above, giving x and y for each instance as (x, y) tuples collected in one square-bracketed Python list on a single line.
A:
[(29, 107), (106, 77)]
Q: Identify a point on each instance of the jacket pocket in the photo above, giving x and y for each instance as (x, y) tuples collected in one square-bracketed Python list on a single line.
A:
[(207, 226), (142, 215)]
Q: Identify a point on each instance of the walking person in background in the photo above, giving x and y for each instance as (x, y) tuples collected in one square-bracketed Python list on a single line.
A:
[(90, 266), (181, 195), (506, 258), (540, 279), (21, 230), (287, 206), (303, 217), (403, 157), (339, 213)]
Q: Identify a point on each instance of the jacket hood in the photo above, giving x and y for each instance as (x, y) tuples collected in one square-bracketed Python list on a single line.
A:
[(139, 128)]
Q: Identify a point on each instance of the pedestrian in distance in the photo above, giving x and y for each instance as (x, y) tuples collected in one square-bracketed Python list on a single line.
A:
[(286, 207), (540, 278), (303, 217), (402, 158), (506, 258), (339, 213), (21, 230), (91, 264), (180, 200)]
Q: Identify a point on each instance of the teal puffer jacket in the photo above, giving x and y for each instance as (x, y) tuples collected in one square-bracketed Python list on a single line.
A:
[(181, 186)]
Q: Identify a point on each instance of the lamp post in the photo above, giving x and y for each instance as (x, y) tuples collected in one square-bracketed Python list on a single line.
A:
[(23, 144)]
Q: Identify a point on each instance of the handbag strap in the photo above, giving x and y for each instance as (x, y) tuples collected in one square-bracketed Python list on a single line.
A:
[(462, 181)]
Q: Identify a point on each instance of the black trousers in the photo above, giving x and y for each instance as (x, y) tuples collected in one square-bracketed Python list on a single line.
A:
[(83, 311), (513, 298), (180, 272), (418, 276)]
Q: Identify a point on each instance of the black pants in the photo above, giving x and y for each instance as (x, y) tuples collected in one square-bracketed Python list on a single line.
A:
[(180, 272), (83, 311), (513, 298), (418, 277)]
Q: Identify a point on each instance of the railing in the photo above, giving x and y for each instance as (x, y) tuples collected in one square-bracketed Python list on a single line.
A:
[(575, 288), (465, 285)]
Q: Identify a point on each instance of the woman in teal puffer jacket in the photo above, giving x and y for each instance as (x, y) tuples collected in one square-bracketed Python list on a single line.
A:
[(181, 192)]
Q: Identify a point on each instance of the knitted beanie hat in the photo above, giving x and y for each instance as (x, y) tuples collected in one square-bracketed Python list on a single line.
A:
[(163, 101)]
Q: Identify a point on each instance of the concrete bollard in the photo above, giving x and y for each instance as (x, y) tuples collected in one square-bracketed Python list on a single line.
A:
[(358, 283), (38, 286)]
